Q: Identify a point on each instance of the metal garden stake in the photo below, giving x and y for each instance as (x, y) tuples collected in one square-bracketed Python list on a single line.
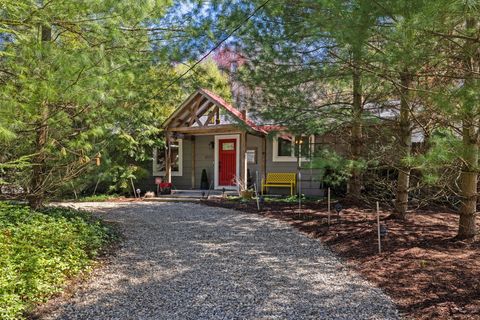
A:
[(328, 206), (378, 229)]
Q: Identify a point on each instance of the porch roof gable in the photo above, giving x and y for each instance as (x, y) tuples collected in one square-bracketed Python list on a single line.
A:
[(188, 107)]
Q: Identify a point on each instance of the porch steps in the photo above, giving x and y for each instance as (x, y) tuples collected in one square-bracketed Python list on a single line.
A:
[(188, 195)]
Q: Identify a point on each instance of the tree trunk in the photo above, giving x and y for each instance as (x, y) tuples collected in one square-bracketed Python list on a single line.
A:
[(470, 138), (356, 143), (405, 147), (468, 190), (39, 171)]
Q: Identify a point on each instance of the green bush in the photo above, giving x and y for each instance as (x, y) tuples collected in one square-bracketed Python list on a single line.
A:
[(40, 250)]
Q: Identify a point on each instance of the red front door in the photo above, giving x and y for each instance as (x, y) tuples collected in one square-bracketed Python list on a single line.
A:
[(227, 161)]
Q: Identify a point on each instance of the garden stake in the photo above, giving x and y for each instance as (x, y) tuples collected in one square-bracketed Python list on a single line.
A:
[(256, 190), (209, 189), (133, 188), (299, 192), (256, 195), (378, 229), (328, 206)]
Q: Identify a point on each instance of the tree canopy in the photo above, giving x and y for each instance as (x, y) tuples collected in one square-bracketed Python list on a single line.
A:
[(85, 82)]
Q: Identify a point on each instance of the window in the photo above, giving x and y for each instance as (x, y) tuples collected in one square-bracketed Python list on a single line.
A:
[(228, 146), (288, 148), (284, 147), (252, 156), (175, 156)]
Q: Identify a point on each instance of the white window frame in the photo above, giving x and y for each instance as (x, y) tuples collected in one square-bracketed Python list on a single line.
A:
[(292, 158), (178, 173)]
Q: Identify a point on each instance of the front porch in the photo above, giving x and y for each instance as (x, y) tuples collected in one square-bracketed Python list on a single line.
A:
[(192, 154), (207, 134)]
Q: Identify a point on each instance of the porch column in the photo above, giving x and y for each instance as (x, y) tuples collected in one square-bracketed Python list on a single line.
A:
[(263, 163), (243, 158), (193, 162), (168, 158)]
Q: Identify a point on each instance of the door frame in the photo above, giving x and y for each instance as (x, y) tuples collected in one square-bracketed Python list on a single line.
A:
[(237, 162)]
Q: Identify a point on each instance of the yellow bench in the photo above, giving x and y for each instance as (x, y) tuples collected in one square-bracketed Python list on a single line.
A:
[(280, 179)]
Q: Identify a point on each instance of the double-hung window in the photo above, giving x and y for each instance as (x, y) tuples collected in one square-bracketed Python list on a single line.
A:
[(287, 148)]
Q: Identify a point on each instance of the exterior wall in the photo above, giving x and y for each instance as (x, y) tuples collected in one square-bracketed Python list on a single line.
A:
[(309, 183), (183, 181), (255, 142), (204, 159), (310, 177), (333, 142)]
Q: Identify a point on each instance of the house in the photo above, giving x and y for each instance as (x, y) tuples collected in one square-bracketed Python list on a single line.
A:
[(206, 132)]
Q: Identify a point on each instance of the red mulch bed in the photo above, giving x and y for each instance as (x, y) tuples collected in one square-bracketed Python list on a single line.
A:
[(426, 272)]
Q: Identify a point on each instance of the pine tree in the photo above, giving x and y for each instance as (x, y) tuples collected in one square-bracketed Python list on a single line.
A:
[(405, 53), (303, 61), (455, 26), (69, 64)]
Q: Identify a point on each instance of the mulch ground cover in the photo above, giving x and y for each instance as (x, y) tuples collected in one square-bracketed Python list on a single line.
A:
[(427, 273)]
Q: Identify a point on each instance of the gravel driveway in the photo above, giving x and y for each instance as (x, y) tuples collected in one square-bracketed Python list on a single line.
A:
[(188, 261)]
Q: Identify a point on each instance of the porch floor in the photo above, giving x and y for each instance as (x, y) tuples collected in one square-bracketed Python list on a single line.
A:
[(197, 194)]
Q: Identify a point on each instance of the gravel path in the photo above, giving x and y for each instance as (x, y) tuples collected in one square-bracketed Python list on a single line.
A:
[(188, 261)]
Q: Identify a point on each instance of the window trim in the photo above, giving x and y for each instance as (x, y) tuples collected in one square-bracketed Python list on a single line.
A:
[(178, 173), (292, 157)]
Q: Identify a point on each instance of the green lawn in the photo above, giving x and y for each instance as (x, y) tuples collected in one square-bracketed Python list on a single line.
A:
[(40, 251)]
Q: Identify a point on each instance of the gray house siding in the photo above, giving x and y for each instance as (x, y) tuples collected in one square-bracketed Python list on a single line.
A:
[(309, 178), (204, 159), (183, 181), (255, 143)]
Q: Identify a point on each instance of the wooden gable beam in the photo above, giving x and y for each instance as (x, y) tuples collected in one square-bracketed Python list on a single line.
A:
[(226, 128), (201, 111), (193, 111), (212, 113), (187, 117), (204, 108), (183, 117), (175, 115), (196, 108)]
